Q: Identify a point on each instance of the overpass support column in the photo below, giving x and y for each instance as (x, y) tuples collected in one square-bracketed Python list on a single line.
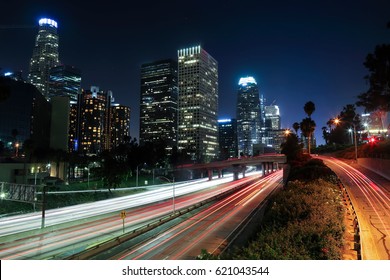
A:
[(236, 171), (220, 173), (243, 171), (263, 169), (210, 174)]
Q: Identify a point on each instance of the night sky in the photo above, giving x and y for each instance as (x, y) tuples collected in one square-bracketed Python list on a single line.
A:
[(298, 51)]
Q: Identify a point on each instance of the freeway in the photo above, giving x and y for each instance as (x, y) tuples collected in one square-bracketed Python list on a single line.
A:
[(73, 229), (26, 222), (370, 196), (210, 229)]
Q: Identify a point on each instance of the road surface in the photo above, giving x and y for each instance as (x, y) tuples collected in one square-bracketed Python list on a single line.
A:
[(370, 194)]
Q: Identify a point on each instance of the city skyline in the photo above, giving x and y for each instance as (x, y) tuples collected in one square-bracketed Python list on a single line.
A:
[(293, 51)]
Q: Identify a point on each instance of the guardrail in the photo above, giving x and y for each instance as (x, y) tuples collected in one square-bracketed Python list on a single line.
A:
[(351, 211)]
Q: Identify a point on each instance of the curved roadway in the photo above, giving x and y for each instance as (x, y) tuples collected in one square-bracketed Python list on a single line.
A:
[(370, 194)]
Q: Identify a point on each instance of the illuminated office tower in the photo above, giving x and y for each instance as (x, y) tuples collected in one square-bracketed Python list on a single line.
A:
[(45, 55), (158, 103), (120, 125), (94, 121), (272, 117), (248, 115), (198, 104), (64, 80), (227, 132)]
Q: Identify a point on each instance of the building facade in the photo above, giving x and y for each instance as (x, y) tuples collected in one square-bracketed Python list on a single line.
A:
[(45, 55), (248, 115), (227, 133), (198, 104), (120, 125), (272, 117), (158, 103), (64, 80), (24, 115), (94, 121)]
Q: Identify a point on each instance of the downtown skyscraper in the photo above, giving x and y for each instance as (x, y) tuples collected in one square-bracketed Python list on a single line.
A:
[(65, 80), (158, 103), (198, 104), (248, 115), (45, 55)]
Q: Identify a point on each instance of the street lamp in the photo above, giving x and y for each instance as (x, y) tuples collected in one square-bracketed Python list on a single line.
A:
[(337, 121), (136, 181), (173, 190)]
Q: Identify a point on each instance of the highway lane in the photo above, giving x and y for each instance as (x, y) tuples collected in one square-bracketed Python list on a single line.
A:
[(64, 238), (31, 221), (371, 201), (209, 229)]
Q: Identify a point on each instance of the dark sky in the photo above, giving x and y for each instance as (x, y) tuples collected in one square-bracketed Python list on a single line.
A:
[(298, 51)]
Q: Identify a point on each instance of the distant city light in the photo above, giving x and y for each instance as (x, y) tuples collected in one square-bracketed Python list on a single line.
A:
[(8, 74), (48, 21), (224, 120), (247, 80)]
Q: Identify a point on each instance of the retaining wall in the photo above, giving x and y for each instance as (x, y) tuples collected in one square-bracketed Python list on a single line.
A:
[(377, 165)]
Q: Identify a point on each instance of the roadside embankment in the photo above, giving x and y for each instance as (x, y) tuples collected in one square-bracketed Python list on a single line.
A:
[(377, 165)]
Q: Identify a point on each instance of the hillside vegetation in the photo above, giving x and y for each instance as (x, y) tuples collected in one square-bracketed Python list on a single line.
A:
[(303, 221)]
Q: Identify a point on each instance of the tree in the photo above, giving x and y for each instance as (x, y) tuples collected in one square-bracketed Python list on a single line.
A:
[(111, 171), (377, 97), (307, 127), (296, 127), (325, 134), (291, 148), (309, 108), (348, 119)]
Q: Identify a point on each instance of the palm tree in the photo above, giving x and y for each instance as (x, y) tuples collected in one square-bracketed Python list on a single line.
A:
[(307, 127), (309, 108), (296, 127)]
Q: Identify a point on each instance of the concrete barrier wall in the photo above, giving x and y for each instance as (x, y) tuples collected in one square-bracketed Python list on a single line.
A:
[(379, 166)]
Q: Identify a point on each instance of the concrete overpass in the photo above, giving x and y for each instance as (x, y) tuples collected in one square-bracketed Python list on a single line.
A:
[(269, 162)]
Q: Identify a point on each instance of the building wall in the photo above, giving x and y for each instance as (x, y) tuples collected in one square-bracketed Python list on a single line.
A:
[(198, 104), (59, 129), (26, 110), (158, 103)]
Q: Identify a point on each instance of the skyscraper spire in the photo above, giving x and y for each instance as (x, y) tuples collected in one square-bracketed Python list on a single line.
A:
[(45, 55)]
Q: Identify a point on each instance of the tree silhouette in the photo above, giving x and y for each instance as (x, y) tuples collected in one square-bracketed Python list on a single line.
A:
[(377, 97), (308, 125), (296, 127), (309, 108)]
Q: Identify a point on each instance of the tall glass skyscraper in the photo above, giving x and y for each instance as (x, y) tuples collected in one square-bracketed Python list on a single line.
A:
[(227, 130), (198, 104), (248, 115), (45, 55), (64, 80), (158, 108)]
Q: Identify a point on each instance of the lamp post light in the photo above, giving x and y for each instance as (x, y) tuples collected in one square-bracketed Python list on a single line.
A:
[(173, 190), (337, 121), (136, 180)]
